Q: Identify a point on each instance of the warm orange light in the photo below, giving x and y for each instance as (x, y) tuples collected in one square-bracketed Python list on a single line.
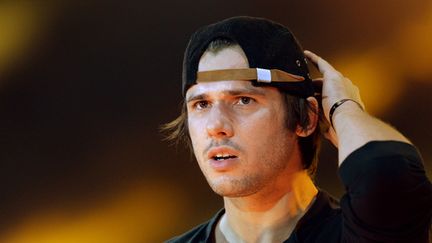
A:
[(382, 72), (19, 23), (142, 213)]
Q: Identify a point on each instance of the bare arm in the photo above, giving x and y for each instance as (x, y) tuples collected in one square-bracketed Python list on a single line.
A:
[(352, 127)]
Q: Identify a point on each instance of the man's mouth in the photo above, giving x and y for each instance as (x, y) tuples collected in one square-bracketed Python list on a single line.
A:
[(223, 158), (219, 157)]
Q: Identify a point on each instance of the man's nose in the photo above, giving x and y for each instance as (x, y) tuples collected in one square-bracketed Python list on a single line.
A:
[(219, 123)]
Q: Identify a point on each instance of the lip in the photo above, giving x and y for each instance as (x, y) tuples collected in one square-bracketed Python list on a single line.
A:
[(221, 150), (222, 165)]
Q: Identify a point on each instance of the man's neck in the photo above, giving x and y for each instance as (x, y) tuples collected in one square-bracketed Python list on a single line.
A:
[(267, 216)]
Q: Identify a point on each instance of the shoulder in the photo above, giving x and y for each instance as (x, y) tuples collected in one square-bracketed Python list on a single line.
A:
[(322, 221)]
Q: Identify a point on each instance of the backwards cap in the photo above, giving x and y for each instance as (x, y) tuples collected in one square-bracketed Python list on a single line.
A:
[(270, 47)]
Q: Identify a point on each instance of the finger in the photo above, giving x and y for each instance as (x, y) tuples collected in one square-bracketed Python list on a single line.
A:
[(318, 80), (323, 66), (313, 58)]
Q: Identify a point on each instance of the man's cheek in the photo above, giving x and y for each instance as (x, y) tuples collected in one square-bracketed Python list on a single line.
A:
[(195, 147)]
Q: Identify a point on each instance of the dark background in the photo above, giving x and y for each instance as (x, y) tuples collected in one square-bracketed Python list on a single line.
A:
[(85, 85)]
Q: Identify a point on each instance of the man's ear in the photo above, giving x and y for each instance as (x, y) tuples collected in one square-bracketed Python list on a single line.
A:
[(313, 119)]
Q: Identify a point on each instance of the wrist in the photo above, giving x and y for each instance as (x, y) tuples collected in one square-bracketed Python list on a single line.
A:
[(343, 106)]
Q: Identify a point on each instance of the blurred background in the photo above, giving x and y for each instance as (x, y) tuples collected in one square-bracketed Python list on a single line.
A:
[(84, 86)]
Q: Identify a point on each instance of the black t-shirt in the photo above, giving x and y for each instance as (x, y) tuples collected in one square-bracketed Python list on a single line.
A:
[(388, 199)]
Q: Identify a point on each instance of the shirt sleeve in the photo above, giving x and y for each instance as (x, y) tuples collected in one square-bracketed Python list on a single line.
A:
[(388, 195)]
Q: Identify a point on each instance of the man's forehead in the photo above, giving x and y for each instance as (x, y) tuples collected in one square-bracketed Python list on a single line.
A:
[(234, 87), (227, 58)]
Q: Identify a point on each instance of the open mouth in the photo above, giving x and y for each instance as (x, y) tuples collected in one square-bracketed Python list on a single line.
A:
[(219, 157)]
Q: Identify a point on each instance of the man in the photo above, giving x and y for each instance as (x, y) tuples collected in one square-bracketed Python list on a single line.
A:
[(251, 116)]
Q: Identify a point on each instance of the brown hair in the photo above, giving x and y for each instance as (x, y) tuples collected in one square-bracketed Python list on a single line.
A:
[(297, 114)]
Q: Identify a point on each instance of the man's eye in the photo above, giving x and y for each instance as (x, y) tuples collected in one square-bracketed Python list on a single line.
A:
[(201, 105), (245, 100)]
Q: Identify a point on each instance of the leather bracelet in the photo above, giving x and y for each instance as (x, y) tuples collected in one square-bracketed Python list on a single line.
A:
[(337, 104)]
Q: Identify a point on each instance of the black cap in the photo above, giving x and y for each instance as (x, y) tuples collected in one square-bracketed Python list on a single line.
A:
[(267, 44)]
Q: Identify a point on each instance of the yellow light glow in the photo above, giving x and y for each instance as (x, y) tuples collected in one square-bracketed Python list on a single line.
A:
[(142, 213), (19, 24), (379, 86), (382, 72)]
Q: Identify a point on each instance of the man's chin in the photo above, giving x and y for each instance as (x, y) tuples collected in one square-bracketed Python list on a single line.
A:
[(233, 188), (231, 194)]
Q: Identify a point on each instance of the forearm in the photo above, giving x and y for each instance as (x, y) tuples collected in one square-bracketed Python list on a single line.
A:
[(388, 193), (354, 128)]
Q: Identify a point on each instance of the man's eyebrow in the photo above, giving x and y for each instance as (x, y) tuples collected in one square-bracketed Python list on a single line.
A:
[(196, 97), (235, 92), (249, 91)]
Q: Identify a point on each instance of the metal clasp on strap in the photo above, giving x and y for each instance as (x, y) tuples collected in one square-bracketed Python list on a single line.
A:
[(263, 75)]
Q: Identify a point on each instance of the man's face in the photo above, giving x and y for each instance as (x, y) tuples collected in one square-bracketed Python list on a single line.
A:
[(238, 131)]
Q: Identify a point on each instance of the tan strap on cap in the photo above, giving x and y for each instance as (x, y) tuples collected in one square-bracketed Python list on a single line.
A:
[(261, 75)]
